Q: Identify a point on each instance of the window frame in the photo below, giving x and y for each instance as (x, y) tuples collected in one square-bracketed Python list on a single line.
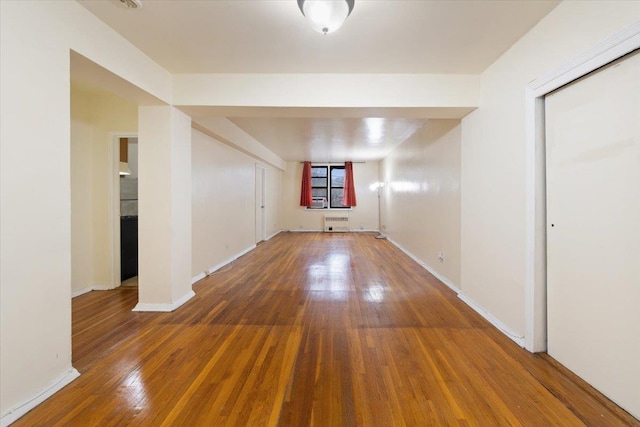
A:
[(325, 187), (330, 186)]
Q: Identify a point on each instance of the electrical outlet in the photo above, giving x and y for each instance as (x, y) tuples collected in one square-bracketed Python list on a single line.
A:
[(441, 257), (226, 246), (361, 226)]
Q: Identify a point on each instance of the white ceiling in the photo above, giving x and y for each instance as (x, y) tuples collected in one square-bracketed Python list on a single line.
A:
[(272, 36), (330, 139)]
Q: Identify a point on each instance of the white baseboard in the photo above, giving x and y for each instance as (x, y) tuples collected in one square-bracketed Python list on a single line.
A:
[(88, 289), (427, 267), (164, 307), (518, 339), (246, 251), (82, 291), (274, 235), (186, 297), (144, 307), (218, 266), (305, 230), (19, 410), (197, 278), (477, 308)]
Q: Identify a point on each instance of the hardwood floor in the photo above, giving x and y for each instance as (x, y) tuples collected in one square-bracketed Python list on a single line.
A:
[(312, 330)]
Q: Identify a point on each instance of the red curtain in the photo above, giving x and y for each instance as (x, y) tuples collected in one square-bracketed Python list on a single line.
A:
[(349, 187), (305, 192)]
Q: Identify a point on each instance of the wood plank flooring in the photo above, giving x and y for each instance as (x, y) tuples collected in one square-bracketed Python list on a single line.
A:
[(312, 329)]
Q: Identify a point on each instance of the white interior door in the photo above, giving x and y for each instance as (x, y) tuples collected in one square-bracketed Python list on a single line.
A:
[(260, 203), (593, 229)]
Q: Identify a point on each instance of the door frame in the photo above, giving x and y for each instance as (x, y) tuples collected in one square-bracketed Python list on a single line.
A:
[(261, 208), (619, 45), (114, 202)]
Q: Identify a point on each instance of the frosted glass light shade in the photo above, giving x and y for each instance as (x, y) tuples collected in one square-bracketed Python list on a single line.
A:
[(326, 16)]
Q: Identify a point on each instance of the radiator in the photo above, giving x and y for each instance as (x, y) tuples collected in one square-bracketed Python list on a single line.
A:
[(336, 223)]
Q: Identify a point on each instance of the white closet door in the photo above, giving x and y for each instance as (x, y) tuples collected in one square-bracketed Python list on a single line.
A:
[(593, 229)]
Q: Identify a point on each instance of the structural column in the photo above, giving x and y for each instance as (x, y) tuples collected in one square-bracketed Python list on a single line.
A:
[(164, 209)]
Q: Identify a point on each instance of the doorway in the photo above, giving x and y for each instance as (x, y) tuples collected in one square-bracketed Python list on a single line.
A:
[(128, 176), (261, 193), (124, 203)]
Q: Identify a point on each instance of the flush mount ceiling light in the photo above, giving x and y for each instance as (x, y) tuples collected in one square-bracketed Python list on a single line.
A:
[(132, 4), (326, 16)]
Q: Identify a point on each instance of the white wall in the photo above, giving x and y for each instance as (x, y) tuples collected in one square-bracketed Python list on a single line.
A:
[(164, 206), (81, 209), (36, 38), (493, 152), (227, 131), (94, 114), (223, 202), (421, 197), (273, 201), (362, 217), (327, 90)]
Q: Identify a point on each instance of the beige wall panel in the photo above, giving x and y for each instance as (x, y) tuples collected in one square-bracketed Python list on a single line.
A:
[(164, 190), (81, 212), (273, 201), (223, 202), (421, 196)]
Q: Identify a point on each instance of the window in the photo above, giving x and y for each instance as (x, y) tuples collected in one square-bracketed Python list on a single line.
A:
[(327, 187), (337, 187), (320, 183)]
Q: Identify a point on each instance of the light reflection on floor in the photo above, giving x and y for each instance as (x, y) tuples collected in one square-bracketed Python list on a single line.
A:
[(374, 292), (136, 393), (329, 278)]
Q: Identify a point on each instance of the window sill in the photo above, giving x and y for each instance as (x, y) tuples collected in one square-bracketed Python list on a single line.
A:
[(328, 209)]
